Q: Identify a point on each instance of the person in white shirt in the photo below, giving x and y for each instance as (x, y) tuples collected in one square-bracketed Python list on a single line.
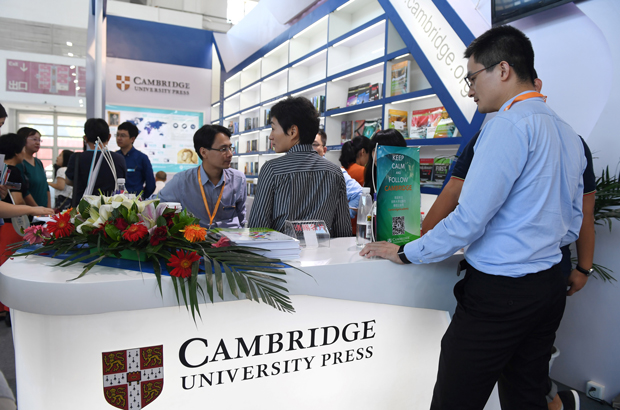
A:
[(160, 181), (64, 191)]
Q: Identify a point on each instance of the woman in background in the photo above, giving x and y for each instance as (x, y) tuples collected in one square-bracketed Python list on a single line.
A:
[(32, 168), (354, 155), (64, 190), (389, 137)]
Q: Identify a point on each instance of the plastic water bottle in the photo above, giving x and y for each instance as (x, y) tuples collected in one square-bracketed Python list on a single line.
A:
[(121, 186), (364, 218)]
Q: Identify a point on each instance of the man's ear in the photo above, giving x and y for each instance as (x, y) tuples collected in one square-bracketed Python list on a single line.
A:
[(293, 131)]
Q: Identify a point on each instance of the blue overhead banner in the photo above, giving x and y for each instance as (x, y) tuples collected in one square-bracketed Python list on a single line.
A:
[(133, 39), (437, 38)]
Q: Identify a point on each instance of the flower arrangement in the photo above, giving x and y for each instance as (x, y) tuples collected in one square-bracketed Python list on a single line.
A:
[(150, 231)]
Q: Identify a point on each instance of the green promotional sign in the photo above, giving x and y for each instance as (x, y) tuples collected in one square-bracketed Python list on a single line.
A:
[(398, 194)]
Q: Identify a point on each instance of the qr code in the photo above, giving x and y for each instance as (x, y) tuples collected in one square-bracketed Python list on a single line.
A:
[(398, 225)]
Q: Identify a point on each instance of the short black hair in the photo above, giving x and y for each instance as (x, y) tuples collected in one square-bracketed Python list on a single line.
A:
[(130, 128), (505, 43), (3, 113), (25, 132), (323, 136), (11, 145), (389, 137), (203, 138), (96, 127), (66, 155), (297, 111)]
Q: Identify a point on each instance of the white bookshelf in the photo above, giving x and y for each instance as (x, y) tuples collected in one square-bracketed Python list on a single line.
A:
[(353, 45), (360, 48), (351, 15), (310, 39)]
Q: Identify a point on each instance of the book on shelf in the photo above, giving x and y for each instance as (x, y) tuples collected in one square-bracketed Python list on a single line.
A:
[(254, 145), (235, 127), (271, 243), (440, 169), (375, 92), (371, 126), (431, 123), (346, 131), (256, 168), (363, 94), (352, 96), (266, 116), (426, 169), (267, 143), (319, 103), (358, 128), (397, 119), (400, 78), (248, 146), (231, 127), (248, 124), (254, 122)]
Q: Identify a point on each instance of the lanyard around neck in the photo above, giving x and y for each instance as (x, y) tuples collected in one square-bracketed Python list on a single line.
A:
[(204, 197), (526, 96)]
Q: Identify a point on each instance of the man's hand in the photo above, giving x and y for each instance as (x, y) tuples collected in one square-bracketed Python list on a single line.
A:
[(576, 281), (383, 250), (4, 190), (40, 211)]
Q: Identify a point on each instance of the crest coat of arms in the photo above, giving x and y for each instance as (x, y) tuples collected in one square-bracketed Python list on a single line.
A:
[(133, 378), (122, 82)]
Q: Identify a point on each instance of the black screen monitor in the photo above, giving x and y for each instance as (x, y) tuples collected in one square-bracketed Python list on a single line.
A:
[(505, 11)]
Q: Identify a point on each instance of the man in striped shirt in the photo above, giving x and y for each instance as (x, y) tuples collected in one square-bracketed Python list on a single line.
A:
[(299, 186)]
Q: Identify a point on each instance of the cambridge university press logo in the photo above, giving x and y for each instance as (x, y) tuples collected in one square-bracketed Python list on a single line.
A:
[(122, 82), (133, 378)]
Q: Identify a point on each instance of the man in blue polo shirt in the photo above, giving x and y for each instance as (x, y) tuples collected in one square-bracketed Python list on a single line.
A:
[(140, 176)]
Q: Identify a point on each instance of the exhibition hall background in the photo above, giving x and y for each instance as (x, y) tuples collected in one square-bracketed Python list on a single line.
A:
[(577, 58)]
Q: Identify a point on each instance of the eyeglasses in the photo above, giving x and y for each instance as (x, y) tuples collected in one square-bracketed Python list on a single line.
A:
[(469, 80), (34, 139), (223, 150), (316, 145), (123, 135)]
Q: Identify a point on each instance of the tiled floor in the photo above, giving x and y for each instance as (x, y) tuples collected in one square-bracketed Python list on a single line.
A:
[(7, 366)]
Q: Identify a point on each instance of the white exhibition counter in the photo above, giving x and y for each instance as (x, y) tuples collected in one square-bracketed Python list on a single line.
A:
[(366, 335)]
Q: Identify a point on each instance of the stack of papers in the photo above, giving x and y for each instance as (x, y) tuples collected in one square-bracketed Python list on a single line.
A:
[(273, 244)]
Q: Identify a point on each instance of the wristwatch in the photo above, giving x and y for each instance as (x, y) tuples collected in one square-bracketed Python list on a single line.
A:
[(584, 271), (402, 256)]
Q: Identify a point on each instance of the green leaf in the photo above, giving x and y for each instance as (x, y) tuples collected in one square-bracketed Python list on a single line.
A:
[(183, 292), (113, 232), (232, 283), (218, 279), (83, 208), (209, 276), (193, 296), (160, 221), (157, 271)]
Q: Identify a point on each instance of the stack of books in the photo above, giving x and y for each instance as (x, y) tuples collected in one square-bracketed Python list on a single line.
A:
[(272, 244)]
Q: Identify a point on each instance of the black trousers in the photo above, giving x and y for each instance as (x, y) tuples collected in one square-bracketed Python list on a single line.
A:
[(503, 330)]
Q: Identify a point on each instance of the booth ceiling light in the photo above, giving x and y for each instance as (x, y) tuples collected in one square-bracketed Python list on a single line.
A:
[(233, 77), (351, 112), (378, 50), (276, 49), (308, 90), (75, 81), (250, 133), (70, 54), (277, 76), (309, 58), (345, 5), (309, 28), (217, 104), (70, 44), (72, 67), (254, 86), (414, 99), (399, 57), (250, 110), (77, 88), (73, 74), (359, 33), (250, 66), (357, 72), (275, 102)]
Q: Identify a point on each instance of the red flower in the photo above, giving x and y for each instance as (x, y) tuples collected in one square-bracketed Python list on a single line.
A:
[(121, 224), (159, 235), (222, 243), (101, 229), (135, 232), (168, 216), (61, 225), (182, 263)]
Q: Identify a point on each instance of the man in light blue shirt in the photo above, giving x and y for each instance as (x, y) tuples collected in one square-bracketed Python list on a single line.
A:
[(212, 192), (520, 203)]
